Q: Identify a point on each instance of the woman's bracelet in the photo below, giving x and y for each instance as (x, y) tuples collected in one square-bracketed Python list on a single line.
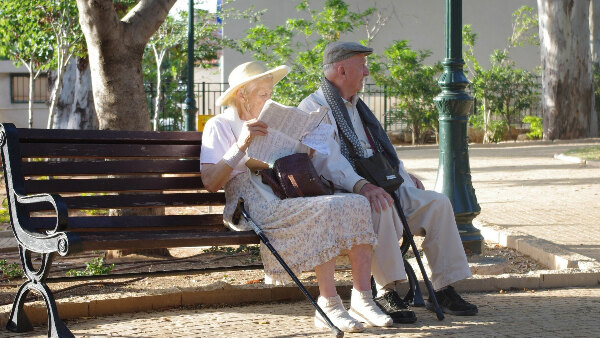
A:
[(233, 156)]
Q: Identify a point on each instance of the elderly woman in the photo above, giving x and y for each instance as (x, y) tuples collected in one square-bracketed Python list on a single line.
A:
[(307, 232)]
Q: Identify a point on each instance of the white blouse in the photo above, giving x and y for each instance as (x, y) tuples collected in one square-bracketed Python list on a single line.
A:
[(220, 133)]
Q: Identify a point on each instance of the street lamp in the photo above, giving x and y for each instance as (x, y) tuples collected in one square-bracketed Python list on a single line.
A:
[(454, 104), (190, 102)]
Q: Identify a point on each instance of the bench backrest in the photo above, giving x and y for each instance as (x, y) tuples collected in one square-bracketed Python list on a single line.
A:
[(100, 170)]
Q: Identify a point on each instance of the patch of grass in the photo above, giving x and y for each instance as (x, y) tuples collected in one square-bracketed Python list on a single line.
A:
[(12, 270), (93, 268), (588, 153), (228, 250)]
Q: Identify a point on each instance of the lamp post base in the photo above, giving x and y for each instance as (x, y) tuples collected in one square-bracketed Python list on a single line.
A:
[(471, 238)]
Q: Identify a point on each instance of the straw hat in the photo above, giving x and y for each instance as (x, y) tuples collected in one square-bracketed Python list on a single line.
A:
[(245, 73)]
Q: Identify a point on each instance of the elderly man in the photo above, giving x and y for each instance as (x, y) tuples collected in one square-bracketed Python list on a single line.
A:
[(429, 214)]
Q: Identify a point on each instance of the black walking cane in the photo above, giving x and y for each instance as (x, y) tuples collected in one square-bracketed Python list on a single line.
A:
[(241, 211), (438, 311)]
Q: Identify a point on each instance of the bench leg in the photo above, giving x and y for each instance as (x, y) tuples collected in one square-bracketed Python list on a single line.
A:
[(18, 321)]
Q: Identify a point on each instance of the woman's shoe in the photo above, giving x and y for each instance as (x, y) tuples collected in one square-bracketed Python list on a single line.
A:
[(363, 308), (336, 312)]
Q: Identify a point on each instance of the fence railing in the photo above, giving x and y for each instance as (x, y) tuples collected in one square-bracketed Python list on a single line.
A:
[(382, 102)]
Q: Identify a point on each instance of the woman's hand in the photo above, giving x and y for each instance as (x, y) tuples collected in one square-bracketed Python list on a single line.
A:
[(251, 129)]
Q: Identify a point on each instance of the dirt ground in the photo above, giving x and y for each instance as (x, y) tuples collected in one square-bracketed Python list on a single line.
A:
[(500, 259), (494, 260)]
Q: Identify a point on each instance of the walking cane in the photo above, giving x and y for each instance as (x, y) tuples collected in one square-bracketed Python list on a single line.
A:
[(241, 211), (438, 311)]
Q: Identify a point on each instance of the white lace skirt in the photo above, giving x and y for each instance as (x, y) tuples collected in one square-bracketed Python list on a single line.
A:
[(305, 231)]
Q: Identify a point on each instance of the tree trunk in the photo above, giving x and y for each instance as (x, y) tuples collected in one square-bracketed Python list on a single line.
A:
[(75, 105), (31, 96), (115, 48), (487, 114), (567, 90)]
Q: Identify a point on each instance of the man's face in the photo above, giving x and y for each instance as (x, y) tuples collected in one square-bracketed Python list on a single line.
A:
[(355, 70)]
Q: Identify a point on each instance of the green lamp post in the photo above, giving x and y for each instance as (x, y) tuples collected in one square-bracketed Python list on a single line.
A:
[(190, 102), (454, 104)]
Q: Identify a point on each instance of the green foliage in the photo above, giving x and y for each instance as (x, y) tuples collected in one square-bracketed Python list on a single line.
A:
[(299, 43), (497, 130), (93, 268), (503, 90), (25, 38), (4, 215), (401, 70), (535, 127), (12, 270)]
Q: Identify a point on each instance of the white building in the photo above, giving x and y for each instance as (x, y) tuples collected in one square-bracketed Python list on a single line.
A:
[(14, 96)]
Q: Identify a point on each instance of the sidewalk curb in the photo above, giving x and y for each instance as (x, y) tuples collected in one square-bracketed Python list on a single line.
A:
[(224, 294), (545, 252)]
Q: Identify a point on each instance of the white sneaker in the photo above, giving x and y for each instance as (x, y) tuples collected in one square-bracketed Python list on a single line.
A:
[(364, 309), (336, 312)]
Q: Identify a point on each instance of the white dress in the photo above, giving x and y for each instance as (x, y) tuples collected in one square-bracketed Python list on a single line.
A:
[(305, 231)]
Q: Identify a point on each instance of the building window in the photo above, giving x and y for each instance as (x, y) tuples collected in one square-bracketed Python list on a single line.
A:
[(19, 88)]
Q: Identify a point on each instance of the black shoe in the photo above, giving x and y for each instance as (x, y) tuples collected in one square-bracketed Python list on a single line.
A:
[(391, 304), (452, 303)]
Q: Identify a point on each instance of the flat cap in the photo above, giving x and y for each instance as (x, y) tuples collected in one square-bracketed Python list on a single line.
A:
[(340, 50)]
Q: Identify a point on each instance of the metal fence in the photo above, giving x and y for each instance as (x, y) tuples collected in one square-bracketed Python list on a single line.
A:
[(382, 102)]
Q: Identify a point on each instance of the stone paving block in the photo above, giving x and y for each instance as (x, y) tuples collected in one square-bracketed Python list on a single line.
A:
[(517, 282), (105, 307), (69, 310)]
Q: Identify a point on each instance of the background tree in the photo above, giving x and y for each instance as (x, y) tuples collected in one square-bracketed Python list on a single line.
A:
[(567, 87), (75, 105), (402, 72), (164, 63), (116, 48), (25, 39), (503, 90), (171, 34), (299, 43), (61, 17)]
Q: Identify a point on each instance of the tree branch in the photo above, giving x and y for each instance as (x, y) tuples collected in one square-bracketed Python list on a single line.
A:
[(98, 18), (145, 19)]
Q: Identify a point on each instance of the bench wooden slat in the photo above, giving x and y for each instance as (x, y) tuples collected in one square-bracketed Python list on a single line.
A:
[(101, 167), (107, 136), (137, 201), (65, 150), (206, 222), (167, 239), (112, 184)]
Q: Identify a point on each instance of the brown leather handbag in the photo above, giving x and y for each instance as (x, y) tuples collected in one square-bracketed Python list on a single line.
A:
[(295, 176)]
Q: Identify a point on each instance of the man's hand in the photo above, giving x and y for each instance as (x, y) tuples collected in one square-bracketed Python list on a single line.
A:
[(378, 197), (417, 182)]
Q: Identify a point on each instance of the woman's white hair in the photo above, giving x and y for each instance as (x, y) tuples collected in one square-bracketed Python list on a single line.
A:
[(249, 87)]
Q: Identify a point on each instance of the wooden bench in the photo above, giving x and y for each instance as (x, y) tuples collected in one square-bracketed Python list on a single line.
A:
[(49, 172)]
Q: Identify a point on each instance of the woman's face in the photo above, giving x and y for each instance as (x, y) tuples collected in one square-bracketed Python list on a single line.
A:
[(255, 95)]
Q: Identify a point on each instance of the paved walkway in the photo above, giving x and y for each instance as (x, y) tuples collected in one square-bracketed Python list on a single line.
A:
[(570, 312), (521, 186)]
